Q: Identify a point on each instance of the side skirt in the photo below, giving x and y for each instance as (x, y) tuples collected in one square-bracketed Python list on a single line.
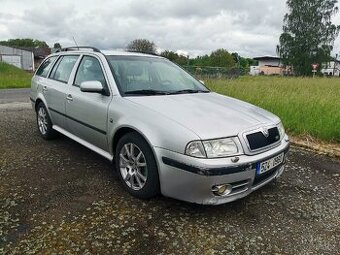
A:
[(88, 145)]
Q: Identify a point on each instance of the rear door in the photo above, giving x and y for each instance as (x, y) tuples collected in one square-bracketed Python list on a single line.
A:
[(40, 81), (86, 112), (56, 88)]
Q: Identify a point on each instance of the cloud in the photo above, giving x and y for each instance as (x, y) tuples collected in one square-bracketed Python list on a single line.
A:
[(250, 27)]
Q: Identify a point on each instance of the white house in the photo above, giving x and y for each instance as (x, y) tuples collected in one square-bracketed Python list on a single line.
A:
[(331, 68), (268, 65), (23, 59)]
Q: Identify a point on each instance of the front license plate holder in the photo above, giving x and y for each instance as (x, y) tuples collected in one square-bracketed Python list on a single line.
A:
[(267, 165)]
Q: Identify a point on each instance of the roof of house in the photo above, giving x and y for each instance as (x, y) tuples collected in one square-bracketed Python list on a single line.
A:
[(267, 58), (335, 60), (38, 52), (12, 48)]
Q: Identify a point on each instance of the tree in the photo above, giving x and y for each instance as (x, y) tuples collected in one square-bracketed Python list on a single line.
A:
[(174, 57), (236, 57), (25, 43), (222, 58), (57, 46), (142, 45), (308, 34), (243, 64), (200, 61)]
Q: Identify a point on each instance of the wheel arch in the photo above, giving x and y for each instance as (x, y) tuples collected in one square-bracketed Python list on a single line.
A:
[(37, 102), (41, 99), (123, 130)]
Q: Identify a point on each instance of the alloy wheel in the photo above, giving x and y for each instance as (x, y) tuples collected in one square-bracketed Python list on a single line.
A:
[(42, 120), (133, 166)]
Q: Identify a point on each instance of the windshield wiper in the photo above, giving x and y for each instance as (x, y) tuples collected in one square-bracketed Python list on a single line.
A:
[(189, 91), (146, 92)]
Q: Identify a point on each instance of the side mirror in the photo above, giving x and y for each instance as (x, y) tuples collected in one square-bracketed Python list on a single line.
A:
[(202, 82), (92, 87)]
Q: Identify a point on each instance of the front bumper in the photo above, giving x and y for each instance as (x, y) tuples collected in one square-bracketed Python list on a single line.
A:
[(191, 179)]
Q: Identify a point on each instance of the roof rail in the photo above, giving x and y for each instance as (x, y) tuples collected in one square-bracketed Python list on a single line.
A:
[(78, 48), (141, 52)]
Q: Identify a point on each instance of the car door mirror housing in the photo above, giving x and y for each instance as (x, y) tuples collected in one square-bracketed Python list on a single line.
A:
[(92, 87)]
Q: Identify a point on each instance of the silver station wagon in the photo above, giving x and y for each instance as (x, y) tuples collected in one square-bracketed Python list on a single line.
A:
[(166, 132)]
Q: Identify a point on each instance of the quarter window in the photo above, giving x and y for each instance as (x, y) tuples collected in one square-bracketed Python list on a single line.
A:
[(89, 70), (45, 67), (62, 70)]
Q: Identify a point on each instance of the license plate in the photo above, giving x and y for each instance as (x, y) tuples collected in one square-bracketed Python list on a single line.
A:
[(269, 164)]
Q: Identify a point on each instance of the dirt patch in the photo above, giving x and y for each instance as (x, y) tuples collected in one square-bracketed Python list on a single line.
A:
[(316, 145)]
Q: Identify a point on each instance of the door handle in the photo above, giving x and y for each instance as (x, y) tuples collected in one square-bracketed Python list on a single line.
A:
[(69, 97)]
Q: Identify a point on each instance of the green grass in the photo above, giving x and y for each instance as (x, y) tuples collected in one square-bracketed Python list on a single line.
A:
[(306, 106), (13, 77)]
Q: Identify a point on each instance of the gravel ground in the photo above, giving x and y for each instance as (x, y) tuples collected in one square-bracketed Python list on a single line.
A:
[(58, 197)]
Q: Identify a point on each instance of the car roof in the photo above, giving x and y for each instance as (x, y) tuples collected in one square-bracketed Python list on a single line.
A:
[(126, 53), (106, 53)]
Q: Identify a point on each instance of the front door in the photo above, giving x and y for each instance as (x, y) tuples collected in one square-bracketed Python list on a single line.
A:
[(87, 112)]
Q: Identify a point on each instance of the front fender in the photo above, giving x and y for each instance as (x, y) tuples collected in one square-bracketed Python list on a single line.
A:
[(157, 130)]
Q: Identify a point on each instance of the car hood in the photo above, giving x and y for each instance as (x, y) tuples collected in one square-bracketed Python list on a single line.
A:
[(209, 115)]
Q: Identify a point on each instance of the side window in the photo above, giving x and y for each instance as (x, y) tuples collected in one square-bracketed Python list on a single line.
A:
[(62, 70), (45, 67), (89, 70)]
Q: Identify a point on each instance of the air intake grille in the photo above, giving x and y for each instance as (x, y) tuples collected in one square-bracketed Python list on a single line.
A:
[(258, 140)]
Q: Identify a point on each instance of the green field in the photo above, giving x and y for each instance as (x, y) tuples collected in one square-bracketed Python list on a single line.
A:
[(306, 106), (13, 77)]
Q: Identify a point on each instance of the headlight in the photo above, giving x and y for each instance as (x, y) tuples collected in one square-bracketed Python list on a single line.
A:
[(220, 148), (213, 148), (281, 130), (195, 149)]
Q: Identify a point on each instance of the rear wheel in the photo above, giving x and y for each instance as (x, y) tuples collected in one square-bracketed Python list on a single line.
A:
[(44, 123), (136, 166)]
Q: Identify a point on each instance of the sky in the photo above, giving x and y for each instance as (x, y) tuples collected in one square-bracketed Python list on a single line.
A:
[(194, 27)]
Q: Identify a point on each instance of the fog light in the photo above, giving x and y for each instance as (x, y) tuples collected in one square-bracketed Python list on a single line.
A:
[(222, 190)]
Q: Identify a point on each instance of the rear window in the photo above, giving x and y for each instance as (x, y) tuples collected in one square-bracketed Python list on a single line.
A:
[(45, 67), (62, 70)]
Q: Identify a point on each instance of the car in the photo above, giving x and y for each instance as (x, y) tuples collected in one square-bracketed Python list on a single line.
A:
[(164, 130)]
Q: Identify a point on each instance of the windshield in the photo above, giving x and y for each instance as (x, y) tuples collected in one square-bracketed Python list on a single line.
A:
[(142, 75)]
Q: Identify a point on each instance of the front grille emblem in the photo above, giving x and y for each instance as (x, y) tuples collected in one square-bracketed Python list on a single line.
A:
[(265, 132)]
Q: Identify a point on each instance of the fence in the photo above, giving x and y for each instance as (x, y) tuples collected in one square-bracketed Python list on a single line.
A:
[(211, 72)]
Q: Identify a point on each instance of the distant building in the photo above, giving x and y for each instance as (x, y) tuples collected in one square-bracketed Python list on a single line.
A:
[(20, 58), (39, 54), (332, 68), (26, 58), (268, 65), (269, 61)]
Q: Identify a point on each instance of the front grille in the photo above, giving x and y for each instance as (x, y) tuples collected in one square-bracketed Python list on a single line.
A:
[(258, 140)]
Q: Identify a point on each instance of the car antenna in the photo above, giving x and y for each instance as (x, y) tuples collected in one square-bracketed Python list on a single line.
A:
[(74, 39)]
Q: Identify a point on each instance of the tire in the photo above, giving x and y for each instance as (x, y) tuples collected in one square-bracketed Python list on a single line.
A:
[(44, 123), (138, 173)]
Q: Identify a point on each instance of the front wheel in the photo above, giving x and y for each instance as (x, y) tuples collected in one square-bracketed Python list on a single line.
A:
[(44, 123), (136, 166)]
